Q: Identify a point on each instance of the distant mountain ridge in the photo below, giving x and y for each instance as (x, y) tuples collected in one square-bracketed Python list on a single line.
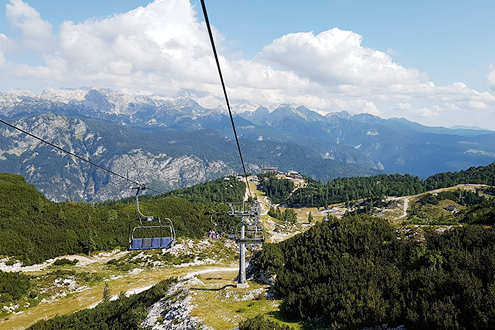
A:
[(92, 122), (397, 145), (164, 159)]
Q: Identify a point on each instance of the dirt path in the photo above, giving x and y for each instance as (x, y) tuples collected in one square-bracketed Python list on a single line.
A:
[(246, 193), (279, 237), (403, 204), (211, 270), (406, 200), (406, 206), (83, 261)]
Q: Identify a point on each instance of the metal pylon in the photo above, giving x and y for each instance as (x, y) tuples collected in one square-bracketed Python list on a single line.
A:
[(250, 219), (241, 279)]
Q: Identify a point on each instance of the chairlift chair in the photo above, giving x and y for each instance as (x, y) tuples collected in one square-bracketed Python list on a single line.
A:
[(250, 231), (148, 233), (253, 234)]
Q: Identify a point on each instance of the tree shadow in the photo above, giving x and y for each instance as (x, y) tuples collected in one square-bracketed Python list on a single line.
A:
[(217, 289), (287, 319)]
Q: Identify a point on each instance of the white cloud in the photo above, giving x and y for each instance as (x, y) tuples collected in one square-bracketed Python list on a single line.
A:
[(4, 44), (147, 47), (36, 31), (476, 105), (337, 57), (403, 106), (392, 52), (370, 107), (425, 112)]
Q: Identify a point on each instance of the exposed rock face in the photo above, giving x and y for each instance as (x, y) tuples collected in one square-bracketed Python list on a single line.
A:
[(259, 275), (163, 159), (173, 313), (61, 176)]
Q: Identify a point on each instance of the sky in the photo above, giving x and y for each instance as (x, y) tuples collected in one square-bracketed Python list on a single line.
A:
[(432, 62)]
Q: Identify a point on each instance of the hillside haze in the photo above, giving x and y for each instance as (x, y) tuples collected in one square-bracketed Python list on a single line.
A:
[(171, 143)]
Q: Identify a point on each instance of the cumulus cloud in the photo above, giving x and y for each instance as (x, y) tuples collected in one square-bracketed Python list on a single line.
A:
[(36, 31), (163, 47), (403, 106), (425, 112), (337, 57), (149, 47)]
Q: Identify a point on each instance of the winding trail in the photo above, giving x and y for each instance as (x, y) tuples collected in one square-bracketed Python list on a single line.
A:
[(83, 261), (406, 206)]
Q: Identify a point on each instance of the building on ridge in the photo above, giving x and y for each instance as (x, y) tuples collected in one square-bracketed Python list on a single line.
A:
[(269, 169)]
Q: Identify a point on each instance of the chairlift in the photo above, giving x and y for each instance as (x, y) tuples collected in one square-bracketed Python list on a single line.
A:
[(250, 231), (147, 232), (253, 234)]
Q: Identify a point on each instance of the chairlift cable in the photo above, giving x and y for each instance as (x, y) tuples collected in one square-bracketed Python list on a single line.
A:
[(224, 90), (73, 154)]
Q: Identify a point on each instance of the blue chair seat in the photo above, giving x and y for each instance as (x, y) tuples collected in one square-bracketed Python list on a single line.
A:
[(166, 242), (136, 244)]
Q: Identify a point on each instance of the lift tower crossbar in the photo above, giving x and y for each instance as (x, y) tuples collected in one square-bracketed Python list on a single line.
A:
[(250, 233)]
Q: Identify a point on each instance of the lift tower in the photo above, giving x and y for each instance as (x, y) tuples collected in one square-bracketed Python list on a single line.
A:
[(249, 234)]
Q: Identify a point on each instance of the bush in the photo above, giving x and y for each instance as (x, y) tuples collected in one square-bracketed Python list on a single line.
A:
[(13, 286), (260, 323), (65, 261)]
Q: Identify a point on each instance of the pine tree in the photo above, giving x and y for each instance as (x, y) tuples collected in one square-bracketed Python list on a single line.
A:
[(106, 293), (310, 217)]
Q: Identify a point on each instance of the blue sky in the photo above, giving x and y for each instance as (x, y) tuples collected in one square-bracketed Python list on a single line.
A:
[(432, 62)]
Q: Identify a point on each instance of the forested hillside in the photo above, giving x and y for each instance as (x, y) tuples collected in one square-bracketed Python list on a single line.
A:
[(348, 189), (358, 272), (341, 190), (34, 229), (480, 174), (277, 189), (215, 191)]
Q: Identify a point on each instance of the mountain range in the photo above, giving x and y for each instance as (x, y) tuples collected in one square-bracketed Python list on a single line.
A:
[(170, 143)]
